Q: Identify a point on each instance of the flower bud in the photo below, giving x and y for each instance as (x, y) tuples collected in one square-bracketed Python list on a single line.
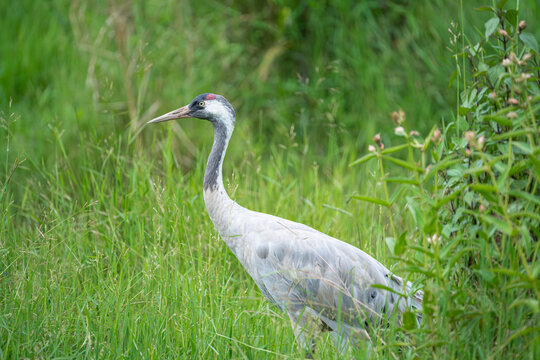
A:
[(435, 239), (513, 101), (523, 77), (414, 133), (493, 95), (481, 141), (514, 58), (503, 32), (512, 115), (522, 25), (470, 135), (399, 131), (371, 148), (377, 139), (506, 62), (436, 134)]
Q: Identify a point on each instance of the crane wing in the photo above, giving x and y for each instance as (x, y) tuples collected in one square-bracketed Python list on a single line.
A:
[(297, 266)]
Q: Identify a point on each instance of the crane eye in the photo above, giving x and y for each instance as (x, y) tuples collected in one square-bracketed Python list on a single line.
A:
[(201, 103)]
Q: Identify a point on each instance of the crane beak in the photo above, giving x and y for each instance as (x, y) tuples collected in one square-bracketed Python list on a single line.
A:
[(183, 112)]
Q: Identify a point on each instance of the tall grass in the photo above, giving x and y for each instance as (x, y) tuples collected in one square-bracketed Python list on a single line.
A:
[(106, 250)]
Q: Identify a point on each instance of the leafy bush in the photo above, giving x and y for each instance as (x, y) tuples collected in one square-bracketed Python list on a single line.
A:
[(473, 192)]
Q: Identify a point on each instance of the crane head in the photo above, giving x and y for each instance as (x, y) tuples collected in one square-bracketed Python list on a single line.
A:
[(212, 107)]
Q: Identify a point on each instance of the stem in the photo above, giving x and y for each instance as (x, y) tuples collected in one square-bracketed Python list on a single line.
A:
[(381, 168)]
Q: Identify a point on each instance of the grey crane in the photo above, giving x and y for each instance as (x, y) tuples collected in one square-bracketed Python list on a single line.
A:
[(314, 278)]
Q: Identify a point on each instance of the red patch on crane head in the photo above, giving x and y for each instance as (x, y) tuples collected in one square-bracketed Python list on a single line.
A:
[(210, 97)]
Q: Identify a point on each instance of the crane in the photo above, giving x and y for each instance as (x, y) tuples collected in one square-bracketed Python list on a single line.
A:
[(320, 282)]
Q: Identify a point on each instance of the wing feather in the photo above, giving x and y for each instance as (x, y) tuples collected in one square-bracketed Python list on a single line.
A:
[(297, 266)]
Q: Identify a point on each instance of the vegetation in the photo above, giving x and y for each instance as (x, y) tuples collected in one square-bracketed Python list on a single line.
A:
[(106, 250)]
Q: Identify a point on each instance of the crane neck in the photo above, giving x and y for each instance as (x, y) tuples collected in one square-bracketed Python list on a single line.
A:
[(217, 201), (213, 179)]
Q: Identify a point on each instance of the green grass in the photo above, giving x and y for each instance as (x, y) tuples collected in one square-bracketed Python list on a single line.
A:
[(106, 250)]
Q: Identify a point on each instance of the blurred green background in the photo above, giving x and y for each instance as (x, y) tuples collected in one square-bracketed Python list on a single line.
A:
[(105, 247), (321, 66)]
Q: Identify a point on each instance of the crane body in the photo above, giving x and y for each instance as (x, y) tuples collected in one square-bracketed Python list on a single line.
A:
[(320, 282)]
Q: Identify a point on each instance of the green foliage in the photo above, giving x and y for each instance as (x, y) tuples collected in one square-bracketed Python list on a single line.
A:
[(473, 194)]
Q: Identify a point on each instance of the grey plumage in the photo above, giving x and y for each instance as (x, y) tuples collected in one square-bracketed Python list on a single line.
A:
[(315, 278)]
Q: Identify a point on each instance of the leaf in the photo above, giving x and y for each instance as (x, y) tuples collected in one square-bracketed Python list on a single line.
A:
[(524, 147), (525, 195), (393, 149), (416, 212), (409, 320), (396, 194), (363, 159), (500, 225), (530, 41), (371, 200), (485, 8), (512, 134), (501, 3), (486, 274), (491, 25), (531, 303), (401, 180), (391, 243), (536, 163), (440, 166), (501, 120), (464, 110), (452, 78), (404, 164), (447, 198), (483, 189), (401, 244), (511, 17)]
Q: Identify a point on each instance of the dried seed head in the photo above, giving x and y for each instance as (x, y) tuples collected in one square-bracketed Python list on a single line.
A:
[(398, 117), (513, 101), (522, 25), (512, 115), (395, 117), (503, 32)]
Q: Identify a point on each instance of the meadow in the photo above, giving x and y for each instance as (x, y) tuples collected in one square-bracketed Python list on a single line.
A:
[(106, 250)]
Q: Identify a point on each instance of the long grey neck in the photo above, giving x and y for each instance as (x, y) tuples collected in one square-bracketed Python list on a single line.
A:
[(213, 180)]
